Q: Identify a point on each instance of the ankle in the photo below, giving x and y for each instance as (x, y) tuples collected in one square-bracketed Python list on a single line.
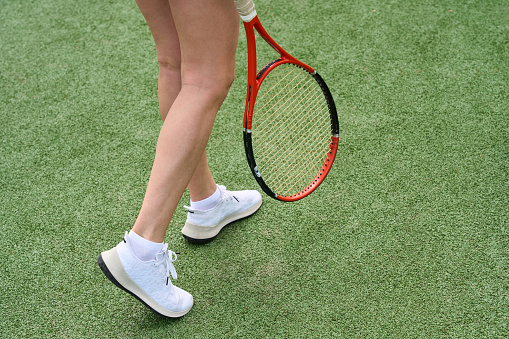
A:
[(207, 203), (144, 249)]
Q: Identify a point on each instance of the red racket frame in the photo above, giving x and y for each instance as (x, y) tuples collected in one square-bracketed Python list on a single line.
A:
[(255, 80)]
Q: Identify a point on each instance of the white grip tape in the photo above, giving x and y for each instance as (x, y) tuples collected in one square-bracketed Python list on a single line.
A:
[(246, 9)]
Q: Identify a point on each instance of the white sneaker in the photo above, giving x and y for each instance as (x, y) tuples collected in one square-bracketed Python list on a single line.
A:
[(204, 226), (148, 281)]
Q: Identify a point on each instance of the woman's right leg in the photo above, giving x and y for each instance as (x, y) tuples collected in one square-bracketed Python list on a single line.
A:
[(205, 194), (208, 33)]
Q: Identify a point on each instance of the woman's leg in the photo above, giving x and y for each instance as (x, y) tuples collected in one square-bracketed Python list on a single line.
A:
[(159, 18), (207, 33)]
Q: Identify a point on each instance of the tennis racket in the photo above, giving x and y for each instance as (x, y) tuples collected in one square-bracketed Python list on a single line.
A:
[(291, 131)]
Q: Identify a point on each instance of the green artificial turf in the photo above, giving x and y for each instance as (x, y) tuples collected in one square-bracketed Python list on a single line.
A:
[(408, 236)]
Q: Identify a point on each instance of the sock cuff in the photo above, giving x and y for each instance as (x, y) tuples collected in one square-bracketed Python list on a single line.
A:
[(144, 249), (207, 203)]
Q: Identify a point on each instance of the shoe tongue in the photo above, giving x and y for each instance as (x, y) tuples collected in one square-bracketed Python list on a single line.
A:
[(162, 252)]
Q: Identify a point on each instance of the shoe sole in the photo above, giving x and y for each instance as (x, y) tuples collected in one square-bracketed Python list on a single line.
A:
[(197, 234), (112, 267)]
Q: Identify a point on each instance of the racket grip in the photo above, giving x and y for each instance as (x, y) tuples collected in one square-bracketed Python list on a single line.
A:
[(246, 9)]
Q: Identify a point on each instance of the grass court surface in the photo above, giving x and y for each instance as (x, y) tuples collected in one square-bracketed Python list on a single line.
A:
[(407, 237)]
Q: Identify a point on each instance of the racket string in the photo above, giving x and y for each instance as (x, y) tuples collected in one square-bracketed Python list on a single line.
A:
[(297, 142), (291, 132)]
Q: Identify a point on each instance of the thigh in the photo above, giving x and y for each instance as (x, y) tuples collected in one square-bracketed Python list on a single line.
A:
[(160, 21), (208, 32)]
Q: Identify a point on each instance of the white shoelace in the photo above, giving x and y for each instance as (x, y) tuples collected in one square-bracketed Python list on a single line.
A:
[(167, 258)]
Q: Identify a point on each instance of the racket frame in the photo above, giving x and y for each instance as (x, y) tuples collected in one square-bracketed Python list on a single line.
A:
[(255, 80)]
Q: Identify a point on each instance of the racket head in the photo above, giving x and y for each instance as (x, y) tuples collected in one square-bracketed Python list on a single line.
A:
[(291, 130)]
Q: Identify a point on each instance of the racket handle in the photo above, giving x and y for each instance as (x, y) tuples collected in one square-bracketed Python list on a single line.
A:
[(246, 9)]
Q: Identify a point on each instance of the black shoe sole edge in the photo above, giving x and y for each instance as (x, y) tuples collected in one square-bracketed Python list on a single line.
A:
[(107, 273), (199, 241)]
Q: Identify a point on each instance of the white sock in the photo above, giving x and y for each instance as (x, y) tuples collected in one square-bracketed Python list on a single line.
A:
[(144, 249), (207, 203)]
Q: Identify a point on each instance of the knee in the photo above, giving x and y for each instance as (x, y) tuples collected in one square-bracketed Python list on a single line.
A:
[(216, 83), (224, 82), (168, 64)]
